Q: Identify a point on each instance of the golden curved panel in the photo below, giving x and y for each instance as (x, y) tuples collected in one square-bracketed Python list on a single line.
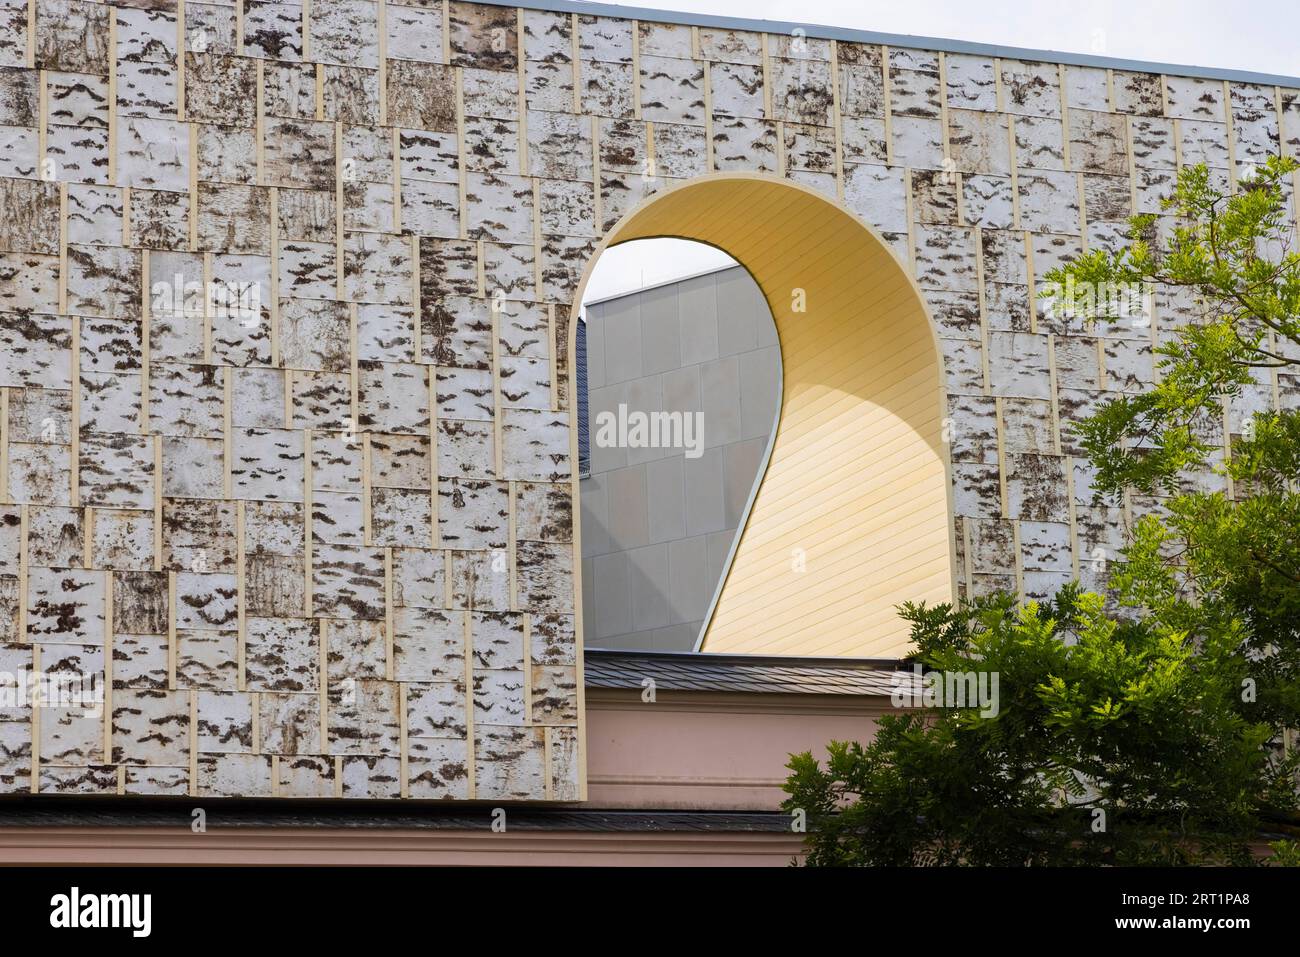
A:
[(852, 515)]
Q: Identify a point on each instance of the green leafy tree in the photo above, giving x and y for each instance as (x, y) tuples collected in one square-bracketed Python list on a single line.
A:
[(1114, 742), (1158, 731), (1228, 259)]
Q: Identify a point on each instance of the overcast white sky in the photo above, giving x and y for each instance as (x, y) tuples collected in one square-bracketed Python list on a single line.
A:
[(1259, 35)]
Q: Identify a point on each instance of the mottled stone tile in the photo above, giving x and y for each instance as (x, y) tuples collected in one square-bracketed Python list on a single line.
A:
[(393, 396), (291, 724), (363, 718), (500, 697), (275, 585), (552, 640), (151, 727), (198, 535), (438, 768), (498, 640), (207, 659), (473, 514), (321, 400), (347, 581), (225, 722), (186, 399), (480, 580), (103, 281), (422, 96), (400, 517), (226, 154), (554, 694), (140, 604), (140, 662), (192, 466), (314, 335), (273, 30), (282, 654), (268, 464), (545, 577), (234, 775), (428, 644), (543, 512), (235, 219), (116, 470), (435, 710), (298, 153), (509, 762), (205, 601)]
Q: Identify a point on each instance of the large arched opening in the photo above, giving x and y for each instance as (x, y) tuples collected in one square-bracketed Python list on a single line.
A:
[(852, 515)]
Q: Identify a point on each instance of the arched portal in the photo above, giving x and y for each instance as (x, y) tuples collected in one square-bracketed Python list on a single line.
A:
[(852, 515)]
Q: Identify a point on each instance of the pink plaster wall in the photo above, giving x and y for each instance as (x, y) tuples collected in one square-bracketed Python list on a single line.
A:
[(710, 751)]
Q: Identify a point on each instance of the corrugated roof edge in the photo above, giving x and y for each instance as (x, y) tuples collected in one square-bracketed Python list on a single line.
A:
[(709, 659), (825, 32)]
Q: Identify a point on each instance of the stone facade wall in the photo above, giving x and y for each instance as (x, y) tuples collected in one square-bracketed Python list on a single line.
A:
[(322, 544)]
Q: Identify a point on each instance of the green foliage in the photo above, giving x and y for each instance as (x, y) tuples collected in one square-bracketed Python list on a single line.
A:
[(1165, 705), (1130, 719), (1227, 261), (1285, 854)]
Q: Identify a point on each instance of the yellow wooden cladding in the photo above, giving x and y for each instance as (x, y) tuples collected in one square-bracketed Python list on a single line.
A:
[(852, 515)]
